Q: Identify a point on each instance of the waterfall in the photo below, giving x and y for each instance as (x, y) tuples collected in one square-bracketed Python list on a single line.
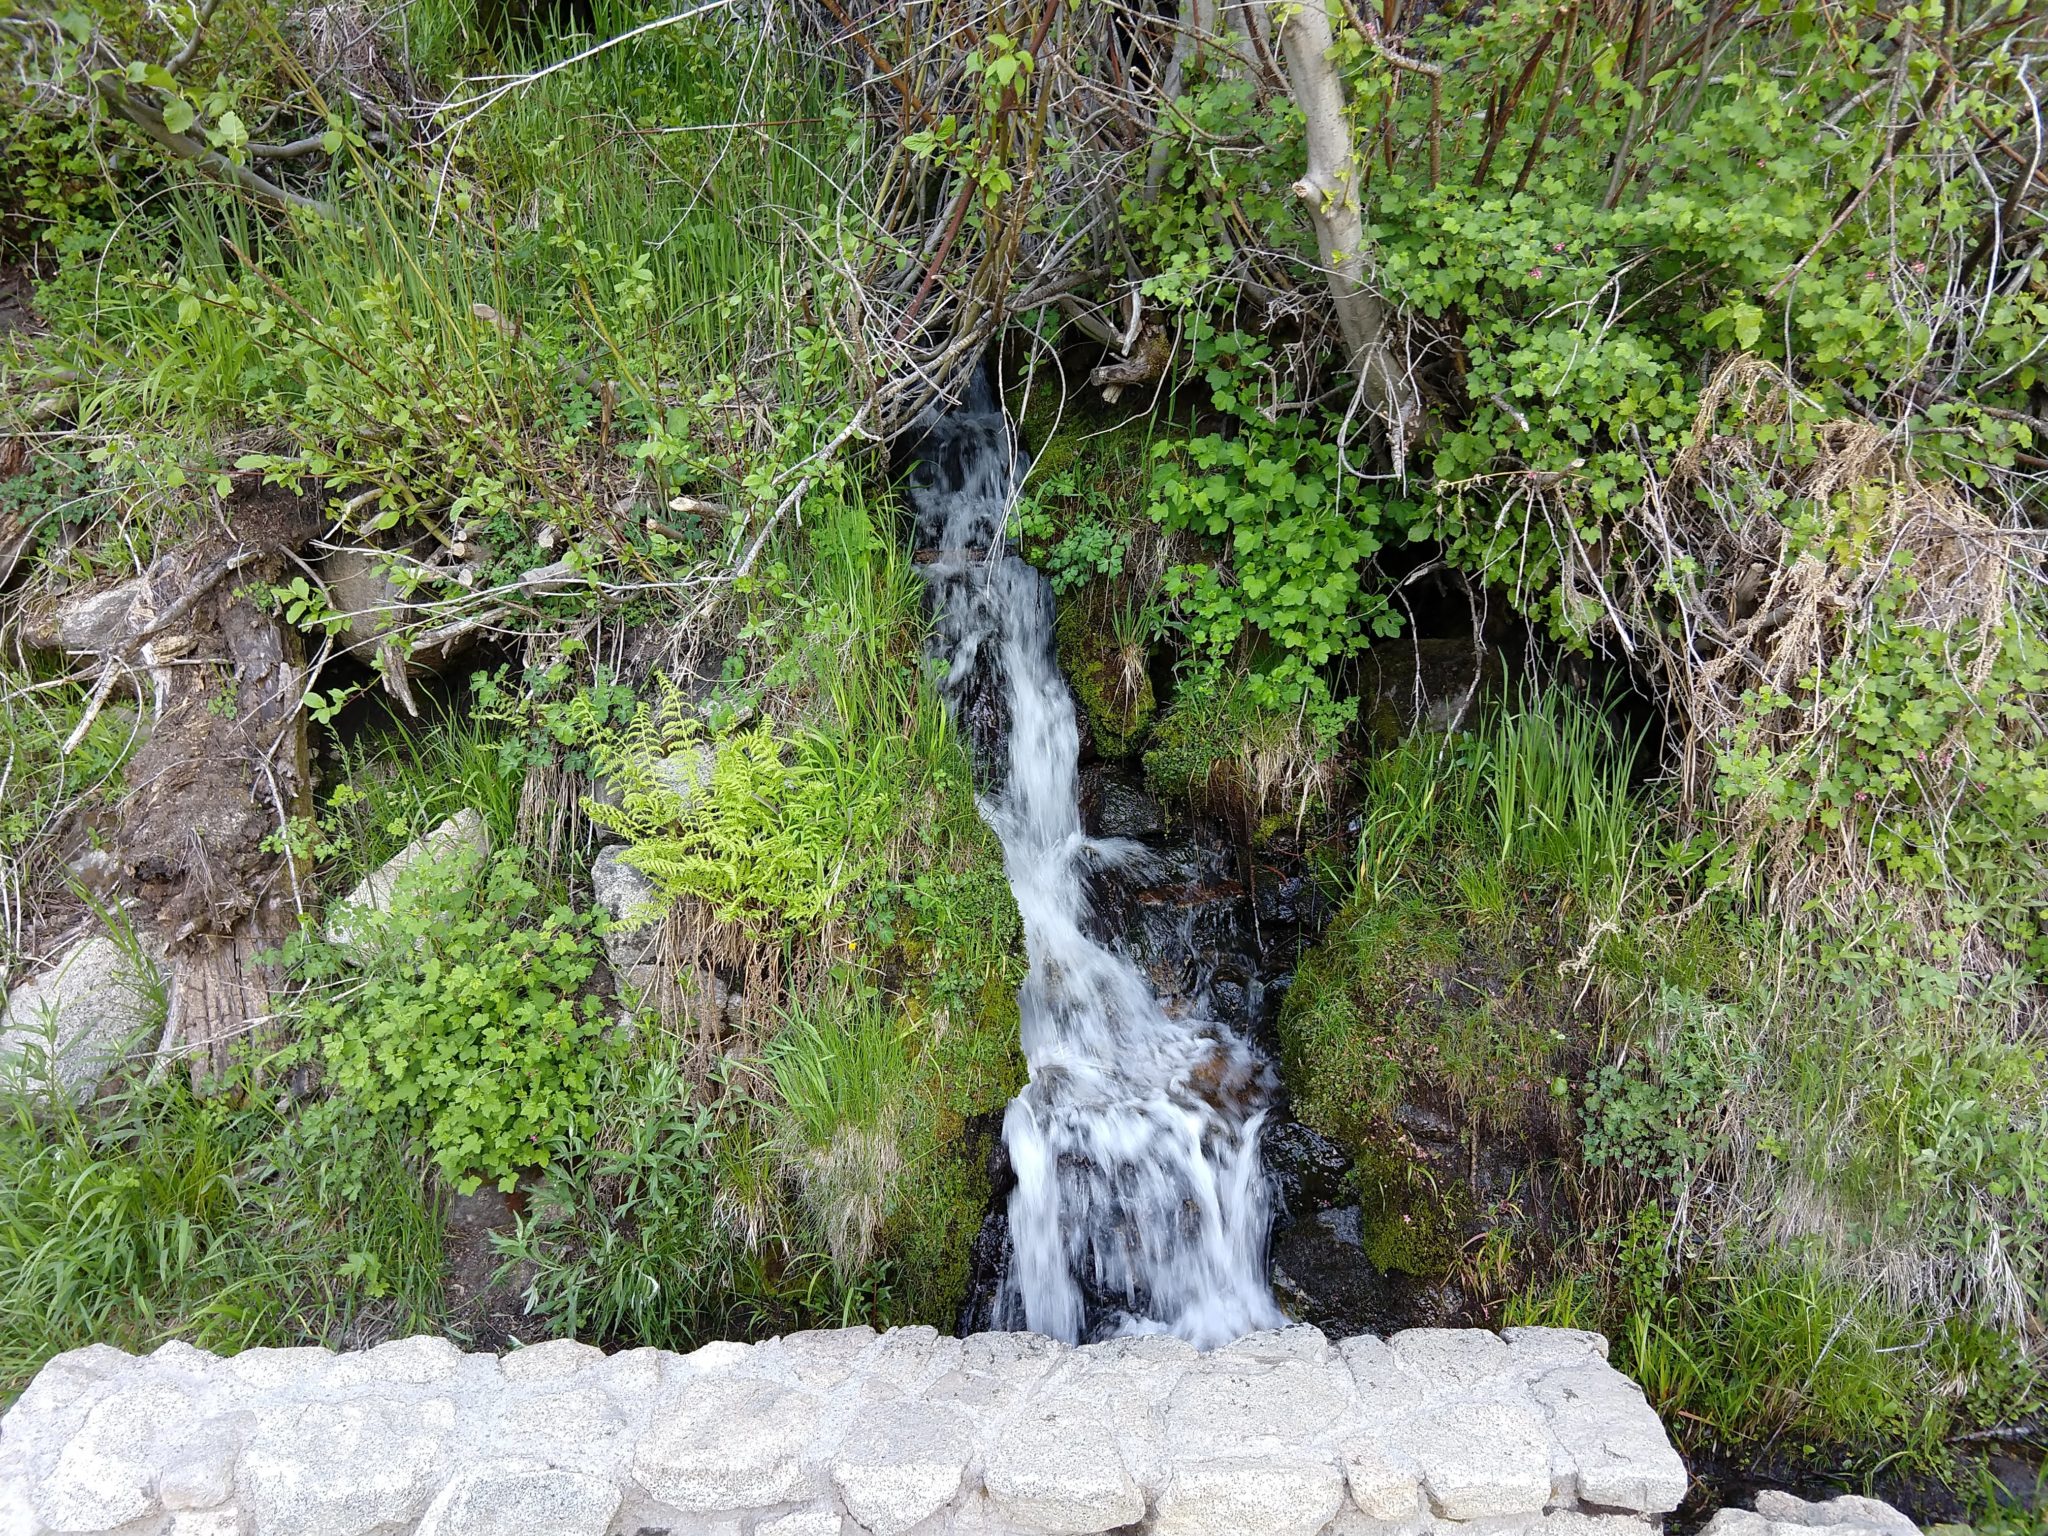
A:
[(1140, 1203)]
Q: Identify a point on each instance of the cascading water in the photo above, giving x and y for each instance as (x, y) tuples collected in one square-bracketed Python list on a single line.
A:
[(1140, 1203)]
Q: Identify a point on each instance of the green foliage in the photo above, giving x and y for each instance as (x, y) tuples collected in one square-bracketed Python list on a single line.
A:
[(626, 1241), (1921, 748), (148, 1214), (1219, 745), (1656, 1116), (1635, 225), (391, 788), (1295, 586), (779, 833), (59, 180), (41, 778), (473, 1031), (1769, 1347)]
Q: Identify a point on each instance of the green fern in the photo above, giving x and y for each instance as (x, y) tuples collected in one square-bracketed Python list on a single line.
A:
[(779, 833)]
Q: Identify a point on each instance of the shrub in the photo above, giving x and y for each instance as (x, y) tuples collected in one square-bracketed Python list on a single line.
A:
[(474, 1031)]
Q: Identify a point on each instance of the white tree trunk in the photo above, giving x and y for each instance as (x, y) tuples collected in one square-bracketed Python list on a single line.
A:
[(1329, 189)]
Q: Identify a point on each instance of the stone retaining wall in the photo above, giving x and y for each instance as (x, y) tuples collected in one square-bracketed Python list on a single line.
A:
[(906, 1433)]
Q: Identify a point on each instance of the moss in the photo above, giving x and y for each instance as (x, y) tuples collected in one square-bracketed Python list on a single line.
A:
[(1347, 1031), (1118, 716), (1188, 744), (967, 941), (1406, 994), (1262, 767), (1409, 1009), (1409, 1223)]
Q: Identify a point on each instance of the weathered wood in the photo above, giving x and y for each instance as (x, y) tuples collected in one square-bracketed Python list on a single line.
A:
[(211, 794)]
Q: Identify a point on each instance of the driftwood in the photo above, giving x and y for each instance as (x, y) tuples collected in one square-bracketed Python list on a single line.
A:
[(198, 846)]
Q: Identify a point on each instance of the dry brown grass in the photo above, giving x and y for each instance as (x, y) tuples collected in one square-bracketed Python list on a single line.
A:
[(1739, 607)]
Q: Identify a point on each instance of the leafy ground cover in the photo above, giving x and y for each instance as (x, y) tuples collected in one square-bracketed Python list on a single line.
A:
[(1700, 345)]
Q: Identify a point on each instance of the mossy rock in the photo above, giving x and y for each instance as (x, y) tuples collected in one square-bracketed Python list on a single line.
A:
[(1215, 747), (1409, 1223), (1412, 1029), (1118, 715), (1347, 1028), (1187, 744), (1404, 994), (969, 1067)]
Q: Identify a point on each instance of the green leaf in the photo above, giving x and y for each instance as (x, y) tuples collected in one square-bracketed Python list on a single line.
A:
[(229, 133), (1749, 323)]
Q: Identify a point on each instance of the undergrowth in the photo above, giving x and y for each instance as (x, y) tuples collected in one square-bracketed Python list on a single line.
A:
[(1801, 1187)]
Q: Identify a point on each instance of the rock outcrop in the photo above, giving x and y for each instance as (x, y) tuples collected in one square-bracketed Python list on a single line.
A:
[(905, 1433), (439, 867)]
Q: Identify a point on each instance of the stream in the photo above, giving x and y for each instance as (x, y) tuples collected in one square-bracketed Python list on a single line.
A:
[(1139, 1204)]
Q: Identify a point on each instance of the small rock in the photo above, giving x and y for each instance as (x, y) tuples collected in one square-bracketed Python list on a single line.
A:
[(632, 942), (554, 1360), (723, 1444), (1298, 1341), (436, 868), (1249, 1496), (1737, 1522), (103, 1477), (208, 1522), (1849, 1514), (1478, 1457), (1060, 1473), (687, 774), (1307, 1168), (804, 1522), (1224, 1408), (1600, 1418), (1122, 810), (901, 1463), (1385, 1484), (85, 1012), (1554, 1346), (359, 585), (344, 1468), (1452, 1357)]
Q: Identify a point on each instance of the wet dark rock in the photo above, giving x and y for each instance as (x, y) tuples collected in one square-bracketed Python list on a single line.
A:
[(1230, 1002), (988, 1258), (1307, 1168), (1114, 805), (1321, 1277), (1432, 685), (1429, 1124), (1279, 897)]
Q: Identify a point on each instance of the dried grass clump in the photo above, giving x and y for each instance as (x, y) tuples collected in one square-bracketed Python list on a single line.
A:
[(849, 1186), (1740, 606)]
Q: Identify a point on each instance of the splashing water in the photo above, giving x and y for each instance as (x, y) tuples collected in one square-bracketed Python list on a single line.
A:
[(1140, 1204)]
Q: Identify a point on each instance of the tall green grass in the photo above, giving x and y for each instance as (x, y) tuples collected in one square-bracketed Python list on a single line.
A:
[(1539, 792), (149, 1214)]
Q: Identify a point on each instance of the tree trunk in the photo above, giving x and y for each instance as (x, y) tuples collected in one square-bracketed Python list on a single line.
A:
[(201, 839), (1329, 189)]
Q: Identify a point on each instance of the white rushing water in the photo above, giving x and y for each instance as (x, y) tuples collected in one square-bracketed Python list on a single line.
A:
[(1140, 1203)]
